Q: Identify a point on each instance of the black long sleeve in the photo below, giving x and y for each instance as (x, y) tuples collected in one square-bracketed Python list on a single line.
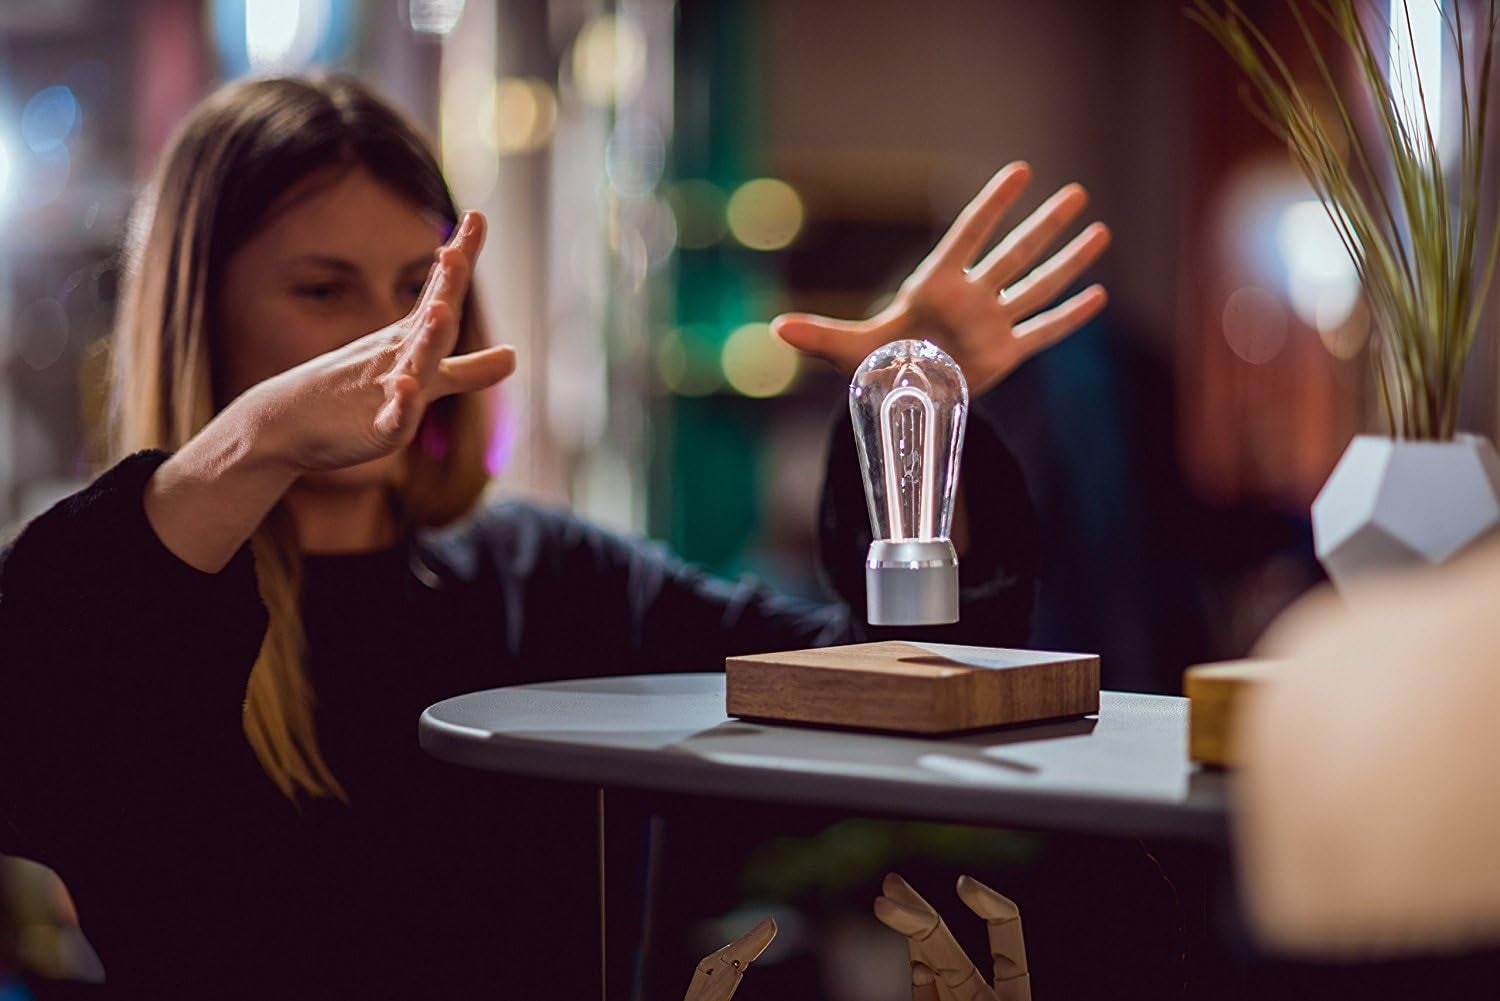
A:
[(103, 631)]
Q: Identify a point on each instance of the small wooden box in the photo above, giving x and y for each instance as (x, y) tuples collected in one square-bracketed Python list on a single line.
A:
[(1216, 693), (912, 687)]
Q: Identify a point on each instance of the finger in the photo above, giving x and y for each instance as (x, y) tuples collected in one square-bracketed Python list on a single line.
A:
[(913, 923), (401, 410), (747, 948), (1047, 328), (1024, 244), (933, 945), (1059, 271), (448, 287), (987, 903), (436, 333), (1003, 921), (924, 983), (469, 237), (449, 280), (899, 890), (971, 230), (475, 371), (819, 336)]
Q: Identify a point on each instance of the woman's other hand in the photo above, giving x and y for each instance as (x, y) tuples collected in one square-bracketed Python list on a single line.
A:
[(991, 315), (353, 405), (365, 400)]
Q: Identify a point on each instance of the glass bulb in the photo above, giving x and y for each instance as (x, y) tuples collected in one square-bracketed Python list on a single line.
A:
[(910, 405)]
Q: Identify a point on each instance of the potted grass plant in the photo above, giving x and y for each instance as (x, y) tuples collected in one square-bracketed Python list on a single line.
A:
[(1412, 216)]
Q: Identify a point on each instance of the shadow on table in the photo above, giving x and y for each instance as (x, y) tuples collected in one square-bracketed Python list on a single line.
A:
[(1015, 733)]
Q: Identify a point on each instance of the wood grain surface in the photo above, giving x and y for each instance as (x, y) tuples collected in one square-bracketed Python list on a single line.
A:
[(1216, 694), (912, 687)]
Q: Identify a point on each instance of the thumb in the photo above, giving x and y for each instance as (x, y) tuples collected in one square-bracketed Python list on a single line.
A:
[(475, 371), (820, 336)]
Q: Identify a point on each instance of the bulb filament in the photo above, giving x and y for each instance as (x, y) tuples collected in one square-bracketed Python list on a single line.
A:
[(909, 465)]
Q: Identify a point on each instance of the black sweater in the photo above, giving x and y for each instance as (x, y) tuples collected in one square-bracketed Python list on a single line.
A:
[(124, 766)]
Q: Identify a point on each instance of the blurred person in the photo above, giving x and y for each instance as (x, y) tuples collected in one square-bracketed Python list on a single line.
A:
[(1368, 813), (212, 659)]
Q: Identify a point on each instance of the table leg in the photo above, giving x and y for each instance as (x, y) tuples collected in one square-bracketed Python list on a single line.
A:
[(629, 854), (603, 900)]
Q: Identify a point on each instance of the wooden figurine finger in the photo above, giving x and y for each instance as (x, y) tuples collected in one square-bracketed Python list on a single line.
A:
[(902, 892), (718, 974), (924, 983), (937, 949), (1007, 944), (897, 889), (933, 945)]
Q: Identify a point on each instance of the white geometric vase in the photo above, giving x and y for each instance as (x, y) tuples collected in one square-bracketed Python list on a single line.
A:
[(1394, 504)]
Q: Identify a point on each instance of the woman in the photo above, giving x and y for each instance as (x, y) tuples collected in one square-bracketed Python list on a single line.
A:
[(212, 658)]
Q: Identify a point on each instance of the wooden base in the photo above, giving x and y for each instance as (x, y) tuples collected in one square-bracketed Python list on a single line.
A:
[(1216, 692), (912, 687)]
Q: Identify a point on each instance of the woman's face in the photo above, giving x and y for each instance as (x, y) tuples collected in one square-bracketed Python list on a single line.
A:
[(339, 259)]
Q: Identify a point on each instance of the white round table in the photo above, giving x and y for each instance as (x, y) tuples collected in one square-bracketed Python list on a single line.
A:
[(1122, 772)]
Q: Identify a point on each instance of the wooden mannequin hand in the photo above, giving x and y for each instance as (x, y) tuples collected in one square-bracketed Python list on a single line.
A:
[(365, 400), (718, 974), (940, 970), (989, 317)]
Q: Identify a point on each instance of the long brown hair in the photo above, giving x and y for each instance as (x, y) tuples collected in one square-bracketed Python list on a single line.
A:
[(239, 150)]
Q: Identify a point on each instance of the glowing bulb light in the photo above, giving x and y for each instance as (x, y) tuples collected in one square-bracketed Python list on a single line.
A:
[(910, 405)]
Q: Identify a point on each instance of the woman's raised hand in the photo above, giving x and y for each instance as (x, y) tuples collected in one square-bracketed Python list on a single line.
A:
[(355, 404), (366, 399), (990, 315)]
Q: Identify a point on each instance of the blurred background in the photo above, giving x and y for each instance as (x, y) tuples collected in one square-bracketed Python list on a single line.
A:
[(664, 177)]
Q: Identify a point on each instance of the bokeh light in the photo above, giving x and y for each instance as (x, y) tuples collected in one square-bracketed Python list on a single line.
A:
[(658, 227), (765, 214), (284, 33), (698, 207), (1322, 283), (688, 363), (1346, 340), (467, 112), (609, 60), (518, 116), (49, 119), (260, 36), (758, 363), (42, 333), (632, 257), (1254, 324), (635, 156), (435, 17)]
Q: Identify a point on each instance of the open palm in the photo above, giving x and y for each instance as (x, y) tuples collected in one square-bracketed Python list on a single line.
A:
[(990, 316)]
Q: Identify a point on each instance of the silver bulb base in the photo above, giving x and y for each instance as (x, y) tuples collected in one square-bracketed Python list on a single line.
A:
[(911, 582)]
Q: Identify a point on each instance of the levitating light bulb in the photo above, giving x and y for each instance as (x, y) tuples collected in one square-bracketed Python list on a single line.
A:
[(910, 405)]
